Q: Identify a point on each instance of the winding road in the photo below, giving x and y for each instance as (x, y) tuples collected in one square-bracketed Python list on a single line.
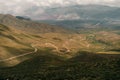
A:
[(52, 45), (11, 58)]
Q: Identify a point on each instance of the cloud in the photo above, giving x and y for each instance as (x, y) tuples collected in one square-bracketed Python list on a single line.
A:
[(35, 7), (70, 16)]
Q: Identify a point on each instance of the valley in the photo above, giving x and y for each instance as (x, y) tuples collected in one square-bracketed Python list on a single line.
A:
[(68, 46), (64, 43)]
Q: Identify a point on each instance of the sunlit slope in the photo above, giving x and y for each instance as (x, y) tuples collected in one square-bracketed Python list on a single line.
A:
[(59, 39), (17, 46), (11, 44), (101, 41), (15, 42)]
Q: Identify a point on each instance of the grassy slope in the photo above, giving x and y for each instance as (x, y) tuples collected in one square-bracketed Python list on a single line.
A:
[(11, 44)]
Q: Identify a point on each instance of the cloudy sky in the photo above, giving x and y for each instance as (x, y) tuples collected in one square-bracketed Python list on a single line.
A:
[(19, 7)]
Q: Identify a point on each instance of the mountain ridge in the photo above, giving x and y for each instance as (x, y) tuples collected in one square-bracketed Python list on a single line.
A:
[(29, 25), (82, 11)]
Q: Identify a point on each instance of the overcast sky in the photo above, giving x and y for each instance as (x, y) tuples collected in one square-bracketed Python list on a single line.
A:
[(18, 7)]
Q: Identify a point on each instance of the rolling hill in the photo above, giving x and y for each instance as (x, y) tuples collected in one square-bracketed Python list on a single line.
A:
[(28, 25), (17, 46), (20, 38), (11, 44)]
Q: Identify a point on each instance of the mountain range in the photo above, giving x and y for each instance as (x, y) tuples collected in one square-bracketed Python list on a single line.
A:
[(79, 16), (75, 12)]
